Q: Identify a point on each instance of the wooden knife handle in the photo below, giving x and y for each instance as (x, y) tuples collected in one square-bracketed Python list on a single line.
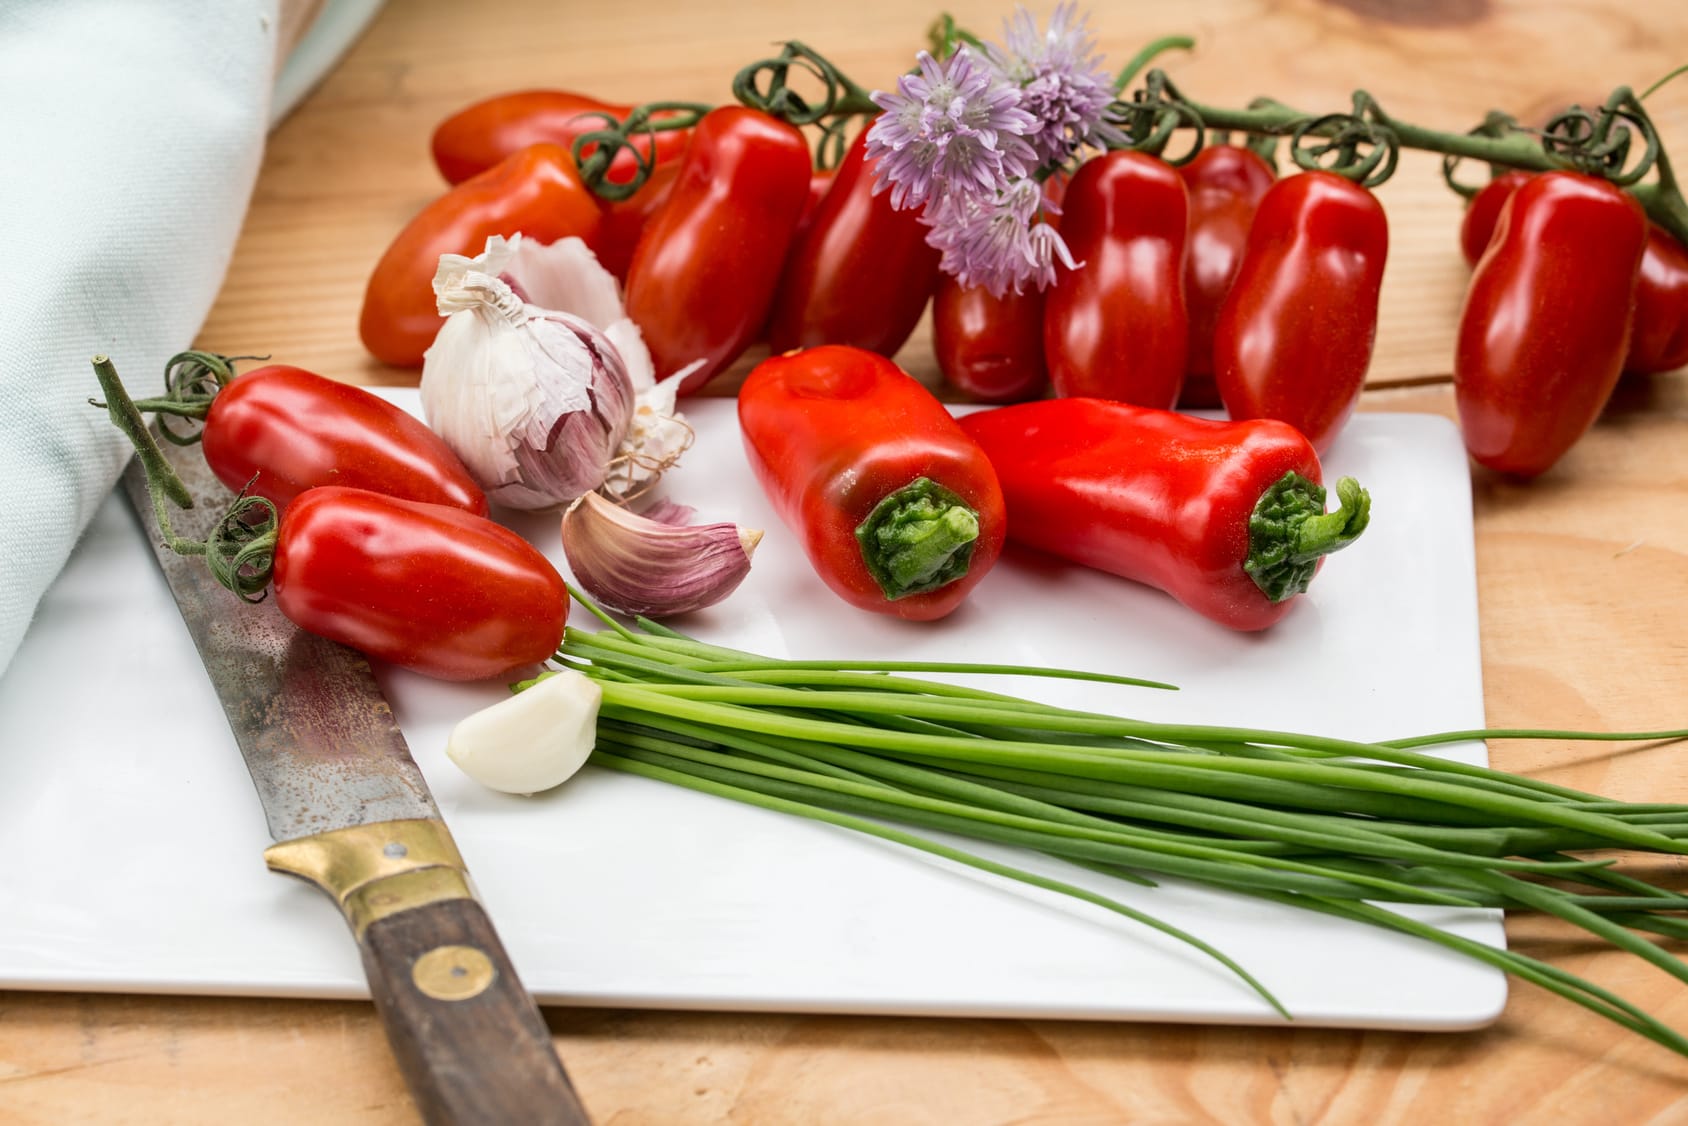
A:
[(469, 1039)]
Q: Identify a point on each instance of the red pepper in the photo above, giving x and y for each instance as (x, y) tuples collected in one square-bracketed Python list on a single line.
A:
[(990, 348), (537, 192), (479, 136), (897, 510), (1225, 183), (1227, 517), (1546, 322), (431, 588), (862, 272), (1482, 213), (705, 270), (1116, 327), (1659, 339), (1294, 337)]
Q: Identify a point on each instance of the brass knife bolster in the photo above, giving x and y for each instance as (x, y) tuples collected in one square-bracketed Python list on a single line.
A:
[(377, 870)]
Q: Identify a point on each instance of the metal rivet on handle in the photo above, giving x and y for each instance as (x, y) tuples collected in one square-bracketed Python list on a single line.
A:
[(453, 973)]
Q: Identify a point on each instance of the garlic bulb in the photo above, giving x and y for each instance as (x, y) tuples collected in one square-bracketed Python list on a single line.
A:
[(642, 566), (545, 286), (532, 741)]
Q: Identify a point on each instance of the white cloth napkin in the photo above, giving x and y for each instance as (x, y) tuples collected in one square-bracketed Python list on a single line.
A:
[(130, 137)]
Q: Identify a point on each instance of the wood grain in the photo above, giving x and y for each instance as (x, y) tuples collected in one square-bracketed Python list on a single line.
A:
[(1583, 580)]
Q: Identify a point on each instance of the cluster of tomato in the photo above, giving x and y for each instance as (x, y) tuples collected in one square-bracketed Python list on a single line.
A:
[(1572, 287), (383, 541)]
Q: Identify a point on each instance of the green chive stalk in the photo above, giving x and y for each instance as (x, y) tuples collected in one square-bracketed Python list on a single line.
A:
[(1334, 826)]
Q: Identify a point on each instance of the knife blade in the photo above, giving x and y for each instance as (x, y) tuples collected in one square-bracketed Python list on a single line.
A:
[(350, 812)]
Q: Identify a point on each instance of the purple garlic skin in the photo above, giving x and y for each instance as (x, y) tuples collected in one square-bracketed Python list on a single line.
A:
[(644, 567)]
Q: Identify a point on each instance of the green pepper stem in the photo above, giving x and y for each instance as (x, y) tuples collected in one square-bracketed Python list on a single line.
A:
[(918, 538), (1289, 531)]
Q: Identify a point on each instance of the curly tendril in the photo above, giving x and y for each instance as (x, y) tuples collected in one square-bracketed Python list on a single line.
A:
[(1598, 142), (1351, 145), (764, 85), (642, 122), (240, 551)]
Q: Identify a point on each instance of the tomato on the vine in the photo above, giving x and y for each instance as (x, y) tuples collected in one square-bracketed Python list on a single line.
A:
[(479, 136)]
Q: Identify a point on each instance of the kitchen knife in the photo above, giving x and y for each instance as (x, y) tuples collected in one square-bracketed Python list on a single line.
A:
[(351, 813)]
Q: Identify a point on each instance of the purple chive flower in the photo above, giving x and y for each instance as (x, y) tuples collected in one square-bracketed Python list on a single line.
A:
[(1061, 82), (996, 243), (955, 128)]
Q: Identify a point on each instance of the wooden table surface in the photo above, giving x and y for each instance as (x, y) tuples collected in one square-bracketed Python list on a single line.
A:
[(1583, 585)]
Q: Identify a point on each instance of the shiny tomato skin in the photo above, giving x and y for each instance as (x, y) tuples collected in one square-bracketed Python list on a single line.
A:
[(479, 136), (427, 587), (989, 348), (704, 273), (1294, 337), (1116, 327), (1659, 339), (861, 273), (536, 192), (820, 182), (1225, 183), (625, 219), (1477, 225), (1546, 321), (283, 430)]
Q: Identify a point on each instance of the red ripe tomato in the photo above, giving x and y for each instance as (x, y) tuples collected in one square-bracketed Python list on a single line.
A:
[(537, 192), (1483, 212), (1225, 183), (479, 136), (1659, 341), (625, 219), (1546, 321), (862, 272), (1116, 327), (990, 348), (1294, 337), (424, 586), (705, 269), (283, 430)]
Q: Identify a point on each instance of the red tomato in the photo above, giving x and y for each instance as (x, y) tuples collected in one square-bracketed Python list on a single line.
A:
[(1294, 337), (1659, 340), (284, 430), (1225, 183), (1546, 321), (475, 138), (1483, 212), (625, 219), (704, 271), (990, 348), (862, 272), (537, 192), (427, 587), (820, 182), (1116, 327)]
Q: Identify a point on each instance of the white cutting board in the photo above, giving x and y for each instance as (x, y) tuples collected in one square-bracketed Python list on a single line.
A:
[(133, 839)]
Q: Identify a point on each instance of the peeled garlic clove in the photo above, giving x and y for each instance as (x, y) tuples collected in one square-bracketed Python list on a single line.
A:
[(642, 566), (532, 741)]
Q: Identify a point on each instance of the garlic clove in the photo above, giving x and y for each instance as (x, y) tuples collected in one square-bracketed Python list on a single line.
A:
[(636, 565), (532, 741)]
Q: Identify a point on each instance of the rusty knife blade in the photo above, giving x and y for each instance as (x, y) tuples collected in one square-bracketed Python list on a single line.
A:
[(319, 738)]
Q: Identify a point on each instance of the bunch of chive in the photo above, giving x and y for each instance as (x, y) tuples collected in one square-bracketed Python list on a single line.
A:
[(1317, 823)]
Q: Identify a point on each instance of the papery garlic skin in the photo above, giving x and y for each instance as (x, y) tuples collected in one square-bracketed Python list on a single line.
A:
[(533, 741), (636, 565), (536, 402), (566, 276)]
